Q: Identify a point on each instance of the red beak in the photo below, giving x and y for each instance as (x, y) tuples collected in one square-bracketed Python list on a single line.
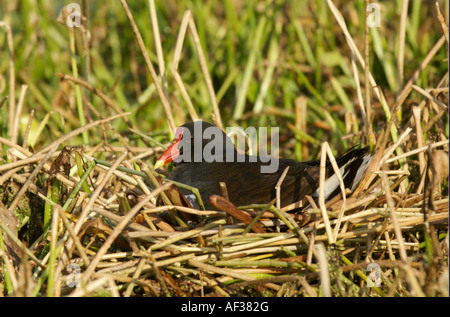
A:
[(172, 152)]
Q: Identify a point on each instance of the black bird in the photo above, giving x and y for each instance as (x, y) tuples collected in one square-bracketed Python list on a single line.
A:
[(204, 156)]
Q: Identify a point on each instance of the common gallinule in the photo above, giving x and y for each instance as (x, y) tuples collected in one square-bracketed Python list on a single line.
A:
[(204, 156)]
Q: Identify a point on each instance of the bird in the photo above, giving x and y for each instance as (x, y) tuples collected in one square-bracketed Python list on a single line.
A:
[(204, 156)]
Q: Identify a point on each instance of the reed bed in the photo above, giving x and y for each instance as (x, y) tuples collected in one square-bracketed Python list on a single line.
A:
[(83, 213)]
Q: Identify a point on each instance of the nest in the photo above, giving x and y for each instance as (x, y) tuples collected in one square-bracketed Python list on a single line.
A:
[(121, 228)]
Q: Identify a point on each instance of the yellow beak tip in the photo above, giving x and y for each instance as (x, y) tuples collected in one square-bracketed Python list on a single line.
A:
[(158, 164)]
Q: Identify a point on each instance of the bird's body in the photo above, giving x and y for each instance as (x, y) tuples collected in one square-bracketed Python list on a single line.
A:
[(246, 184)]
